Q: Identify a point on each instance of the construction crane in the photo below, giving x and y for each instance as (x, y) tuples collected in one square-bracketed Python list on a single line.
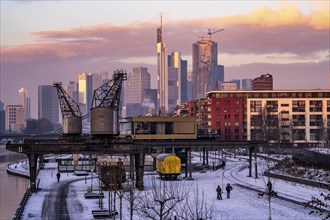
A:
[(71, 114), (210, 33), (214, 32)]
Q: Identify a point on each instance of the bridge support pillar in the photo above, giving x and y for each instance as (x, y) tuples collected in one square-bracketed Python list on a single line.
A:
[(131, 167), (204, 149), (250, 161), (255, 162), (207, 156), (190, 164), (139, 168), (186, 168), (33, 158)]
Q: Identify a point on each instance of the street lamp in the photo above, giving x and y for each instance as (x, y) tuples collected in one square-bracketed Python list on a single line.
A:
[(92, 179)]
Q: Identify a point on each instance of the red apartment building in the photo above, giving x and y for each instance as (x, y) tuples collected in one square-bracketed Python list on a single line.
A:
[(222, 116)]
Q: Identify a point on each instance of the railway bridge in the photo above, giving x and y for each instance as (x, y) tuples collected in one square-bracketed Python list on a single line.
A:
[(136, 149)]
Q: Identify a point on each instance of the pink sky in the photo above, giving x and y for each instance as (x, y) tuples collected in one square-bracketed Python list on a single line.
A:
[(285, 41)]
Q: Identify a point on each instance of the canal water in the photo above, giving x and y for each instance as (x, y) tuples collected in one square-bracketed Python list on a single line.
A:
[(12, 188)]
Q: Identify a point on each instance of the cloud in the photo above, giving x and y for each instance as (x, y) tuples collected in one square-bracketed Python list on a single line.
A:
[(263, 31)]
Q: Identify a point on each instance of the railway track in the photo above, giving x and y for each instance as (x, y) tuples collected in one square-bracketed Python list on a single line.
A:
[(229, 174)]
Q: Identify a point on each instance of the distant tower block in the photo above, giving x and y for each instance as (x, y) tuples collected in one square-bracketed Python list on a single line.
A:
[(105, 106), (71, 115)]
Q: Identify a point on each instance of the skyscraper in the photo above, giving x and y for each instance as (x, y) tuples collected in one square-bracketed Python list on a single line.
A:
[(174, 80), (85, 92), (206, 71), (98, 79), (72, 90), (162, 71), (24, 101), (48, 104), (184, 81), (137, 83), (247, 84)]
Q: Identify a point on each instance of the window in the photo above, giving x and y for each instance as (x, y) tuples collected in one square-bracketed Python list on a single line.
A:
[(298, 106), (217, 109), (272, 106), (315, 106), (255, 106)]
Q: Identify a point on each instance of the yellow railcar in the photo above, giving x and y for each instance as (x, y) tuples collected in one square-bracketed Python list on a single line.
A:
[(168, 166)]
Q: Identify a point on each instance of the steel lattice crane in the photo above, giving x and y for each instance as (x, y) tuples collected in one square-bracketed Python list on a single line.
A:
[(71, 114), (108, 95), (105, 107), (68, 106)]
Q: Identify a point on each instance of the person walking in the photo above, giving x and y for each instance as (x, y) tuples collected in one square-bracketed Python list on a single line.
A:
[(269, 188), (58, 175), (228, 189), (219, 191)]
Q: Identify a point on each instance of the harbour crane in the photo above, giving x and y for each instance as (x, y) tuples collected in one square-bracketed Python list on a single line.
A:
[(71, 114), (108, 95), (105, 107)]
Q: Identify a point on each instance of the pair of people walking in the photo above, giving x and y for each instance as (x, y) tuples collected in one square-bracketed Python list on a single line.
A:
[(219, 191)]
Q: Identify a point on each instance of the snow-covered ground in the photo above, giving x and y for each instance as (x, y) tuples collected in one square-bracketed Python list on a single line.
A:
[(243, 204)]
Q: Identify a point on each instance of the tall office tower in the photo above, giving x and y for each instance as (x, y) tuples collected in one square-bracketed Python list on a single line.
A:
[(174, 80), (184, 81), (190, 86), (137, 82), (15, 118), (206, 71), (162, 71), (98, 79), (246, 84), (85, 92), (264, 82), (48, 104), (24, 101), (72, 90), (2, 118), (151, 97)]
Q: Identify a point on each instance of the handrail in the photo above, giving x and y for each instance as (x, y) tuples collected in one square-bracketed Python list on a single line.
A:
[(20, 209)]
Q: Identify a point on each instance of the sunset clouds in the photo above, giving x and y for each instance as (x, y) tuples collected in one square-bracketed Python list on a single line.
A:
[(263, 31)]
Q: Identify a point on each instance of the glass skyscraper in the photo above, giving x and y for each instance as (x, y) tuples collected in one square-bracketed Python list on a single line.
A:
[(48, 104)]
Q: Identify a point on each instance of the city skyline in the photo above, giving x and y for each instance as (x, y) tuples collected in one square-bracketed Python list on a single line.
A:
[(288, 39)]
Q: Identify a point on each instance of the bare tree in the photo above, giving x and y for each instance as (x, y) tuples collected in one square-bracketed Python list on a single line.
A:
[(285, 129), (131, 196), (196, 207), (265, 125), (324, 136), (269, 183), (159, 202)]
